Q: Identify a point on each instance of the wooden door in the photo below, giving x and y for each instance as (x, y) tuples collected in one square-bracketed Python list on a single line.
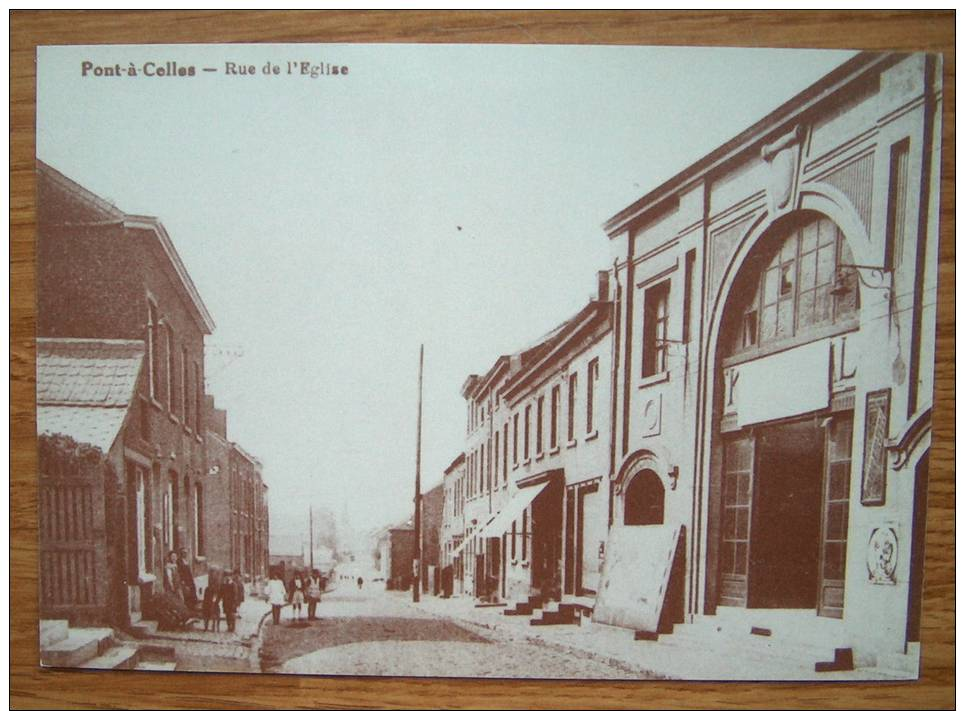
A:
[(834, 519), (73, 546)]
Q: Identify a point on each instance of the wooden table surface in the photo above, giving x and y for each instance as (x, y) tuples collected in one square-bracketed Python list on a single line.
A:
[(32, 687)]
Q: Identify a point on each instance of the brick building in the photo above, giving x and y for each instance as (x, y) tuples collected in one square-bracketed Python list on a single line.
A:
[(236, 506), (432, 515), (115, 302)]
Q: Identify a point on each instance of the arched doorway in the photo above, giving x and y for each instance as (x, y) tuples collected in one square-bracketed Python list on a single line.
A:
[(643, 500), (782, 437)]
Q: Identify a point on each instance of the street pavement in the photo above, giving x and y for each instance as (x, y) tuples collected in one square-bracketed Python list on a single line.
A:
[(373, 632)]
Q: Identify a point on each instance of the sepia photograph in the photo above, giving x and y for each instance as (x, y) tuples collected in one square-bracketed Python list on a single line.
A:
[(485, 360)]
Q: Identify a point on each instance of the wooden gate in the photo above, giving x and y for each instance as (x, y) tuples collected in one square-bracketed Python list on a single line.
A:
[(73, 580)]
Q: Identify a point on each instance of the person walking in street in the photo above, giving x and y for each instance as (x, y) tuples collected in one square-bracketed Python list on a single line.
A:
[(239, 592), (188, 592), (360, 582), (229, 601), (277, 597), (210, 606), (298, 596), (314, 593)]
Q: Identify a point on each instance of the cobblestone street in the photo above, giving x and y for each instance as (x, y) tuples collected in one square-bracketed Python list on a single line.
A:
[(371, 632)]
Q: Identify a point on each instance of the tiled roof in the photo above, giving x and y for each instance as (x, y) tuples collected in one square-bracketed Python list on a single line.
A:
[(90, 372), (97, 426), (85, 387)]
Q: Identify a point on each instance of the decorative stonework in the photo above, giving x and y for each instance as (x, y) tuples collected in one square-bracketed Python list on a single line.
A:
[(783, 157), (883, 556), (855, 180), (723, 245), (652, 415)]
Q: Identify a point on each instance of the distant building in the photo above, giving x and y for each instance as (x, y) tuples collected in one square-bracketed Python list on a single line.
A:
[(395, 554), (236, 505), (534, 504), (432, 515), (453, 525)]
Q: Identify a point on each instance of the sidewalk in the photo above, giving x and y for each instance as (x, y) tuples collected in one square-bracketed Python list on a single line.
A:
[(675, 656)]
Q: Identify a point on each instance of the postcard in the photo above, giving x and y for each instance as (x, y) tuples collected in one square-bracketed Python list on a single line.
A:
[(583, 362)]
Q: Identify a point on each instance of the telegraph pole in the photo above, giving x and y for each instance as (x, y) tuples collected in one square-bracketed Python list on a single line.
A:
[(311, 542), (417, 562)]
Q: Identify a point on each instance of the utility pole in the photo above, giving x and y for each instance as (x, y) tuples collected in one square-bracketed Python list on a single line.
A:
[(311, 542), (417, 562)]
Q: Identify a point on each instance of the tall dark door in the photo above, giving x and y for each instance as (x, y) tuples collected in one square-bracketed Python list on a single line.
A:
[(786, 517), (548, 541)]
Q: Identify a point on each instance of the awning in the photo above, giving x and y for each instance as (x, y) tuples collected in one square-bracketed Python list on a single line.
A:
[(503, 521), (470, 537)]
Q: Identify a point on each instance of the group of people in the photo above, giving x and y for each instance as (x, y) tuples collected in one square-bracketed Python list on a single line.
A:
[(303, 589), (223, 595)]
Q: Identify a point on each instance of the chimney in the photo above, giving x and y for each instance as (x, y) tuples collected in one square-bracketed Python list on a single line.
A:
[(602, 285)]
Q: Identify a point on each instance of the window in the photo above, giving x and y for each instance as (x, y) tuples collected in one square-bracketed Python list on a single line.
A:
[(555, 417), (505, 452), (481, 464), (525, 530), (798, 286), (897, 201), (592, 374), (643, 500), (198, 395), (154, 374), (571, 413), (143, 524), (167, 516), (539, 425), (185, 400), (689, 260), (655, 319), (516, 438), (495, 460), (512, 542), (169, 333), (526, 433)]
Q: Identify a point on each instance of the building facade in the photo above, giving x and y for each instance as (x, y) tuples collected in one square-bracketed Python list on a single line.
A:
[(537, 462), (120, 380), (105, 275), (453, 525), (775, 324)]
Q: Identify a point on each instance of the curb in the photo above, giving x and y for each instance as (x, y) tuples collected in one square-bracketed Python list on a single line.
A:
[(497, 632)]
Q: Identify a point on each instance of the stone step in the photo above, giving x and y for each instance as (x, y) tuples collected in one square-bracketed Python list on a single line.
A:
[(122, 656), (765, 648), (81, 645), (53, 631), (143, 629), (156, 666)]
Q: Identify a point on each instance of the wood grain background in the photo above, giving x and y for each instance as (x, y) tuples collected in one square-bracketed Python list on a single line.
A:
[(32, 687)]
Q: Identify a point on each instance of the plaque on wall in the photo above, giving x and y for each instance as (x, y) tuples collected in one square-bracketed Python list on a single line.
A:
[(874, 472)]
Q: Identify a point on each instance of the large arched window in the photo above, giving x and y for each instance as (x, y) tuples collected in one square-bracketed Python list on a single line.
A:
[(643, 500), (793, 285)]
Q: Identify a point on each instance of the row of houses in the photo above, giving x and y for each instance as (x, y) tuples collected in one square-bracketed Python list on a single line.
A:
[(734, 432), (134, 457)]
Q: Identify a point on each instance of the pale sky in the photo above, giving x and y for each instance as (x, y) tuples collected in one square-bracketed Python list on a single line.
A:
[(319, 218)]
